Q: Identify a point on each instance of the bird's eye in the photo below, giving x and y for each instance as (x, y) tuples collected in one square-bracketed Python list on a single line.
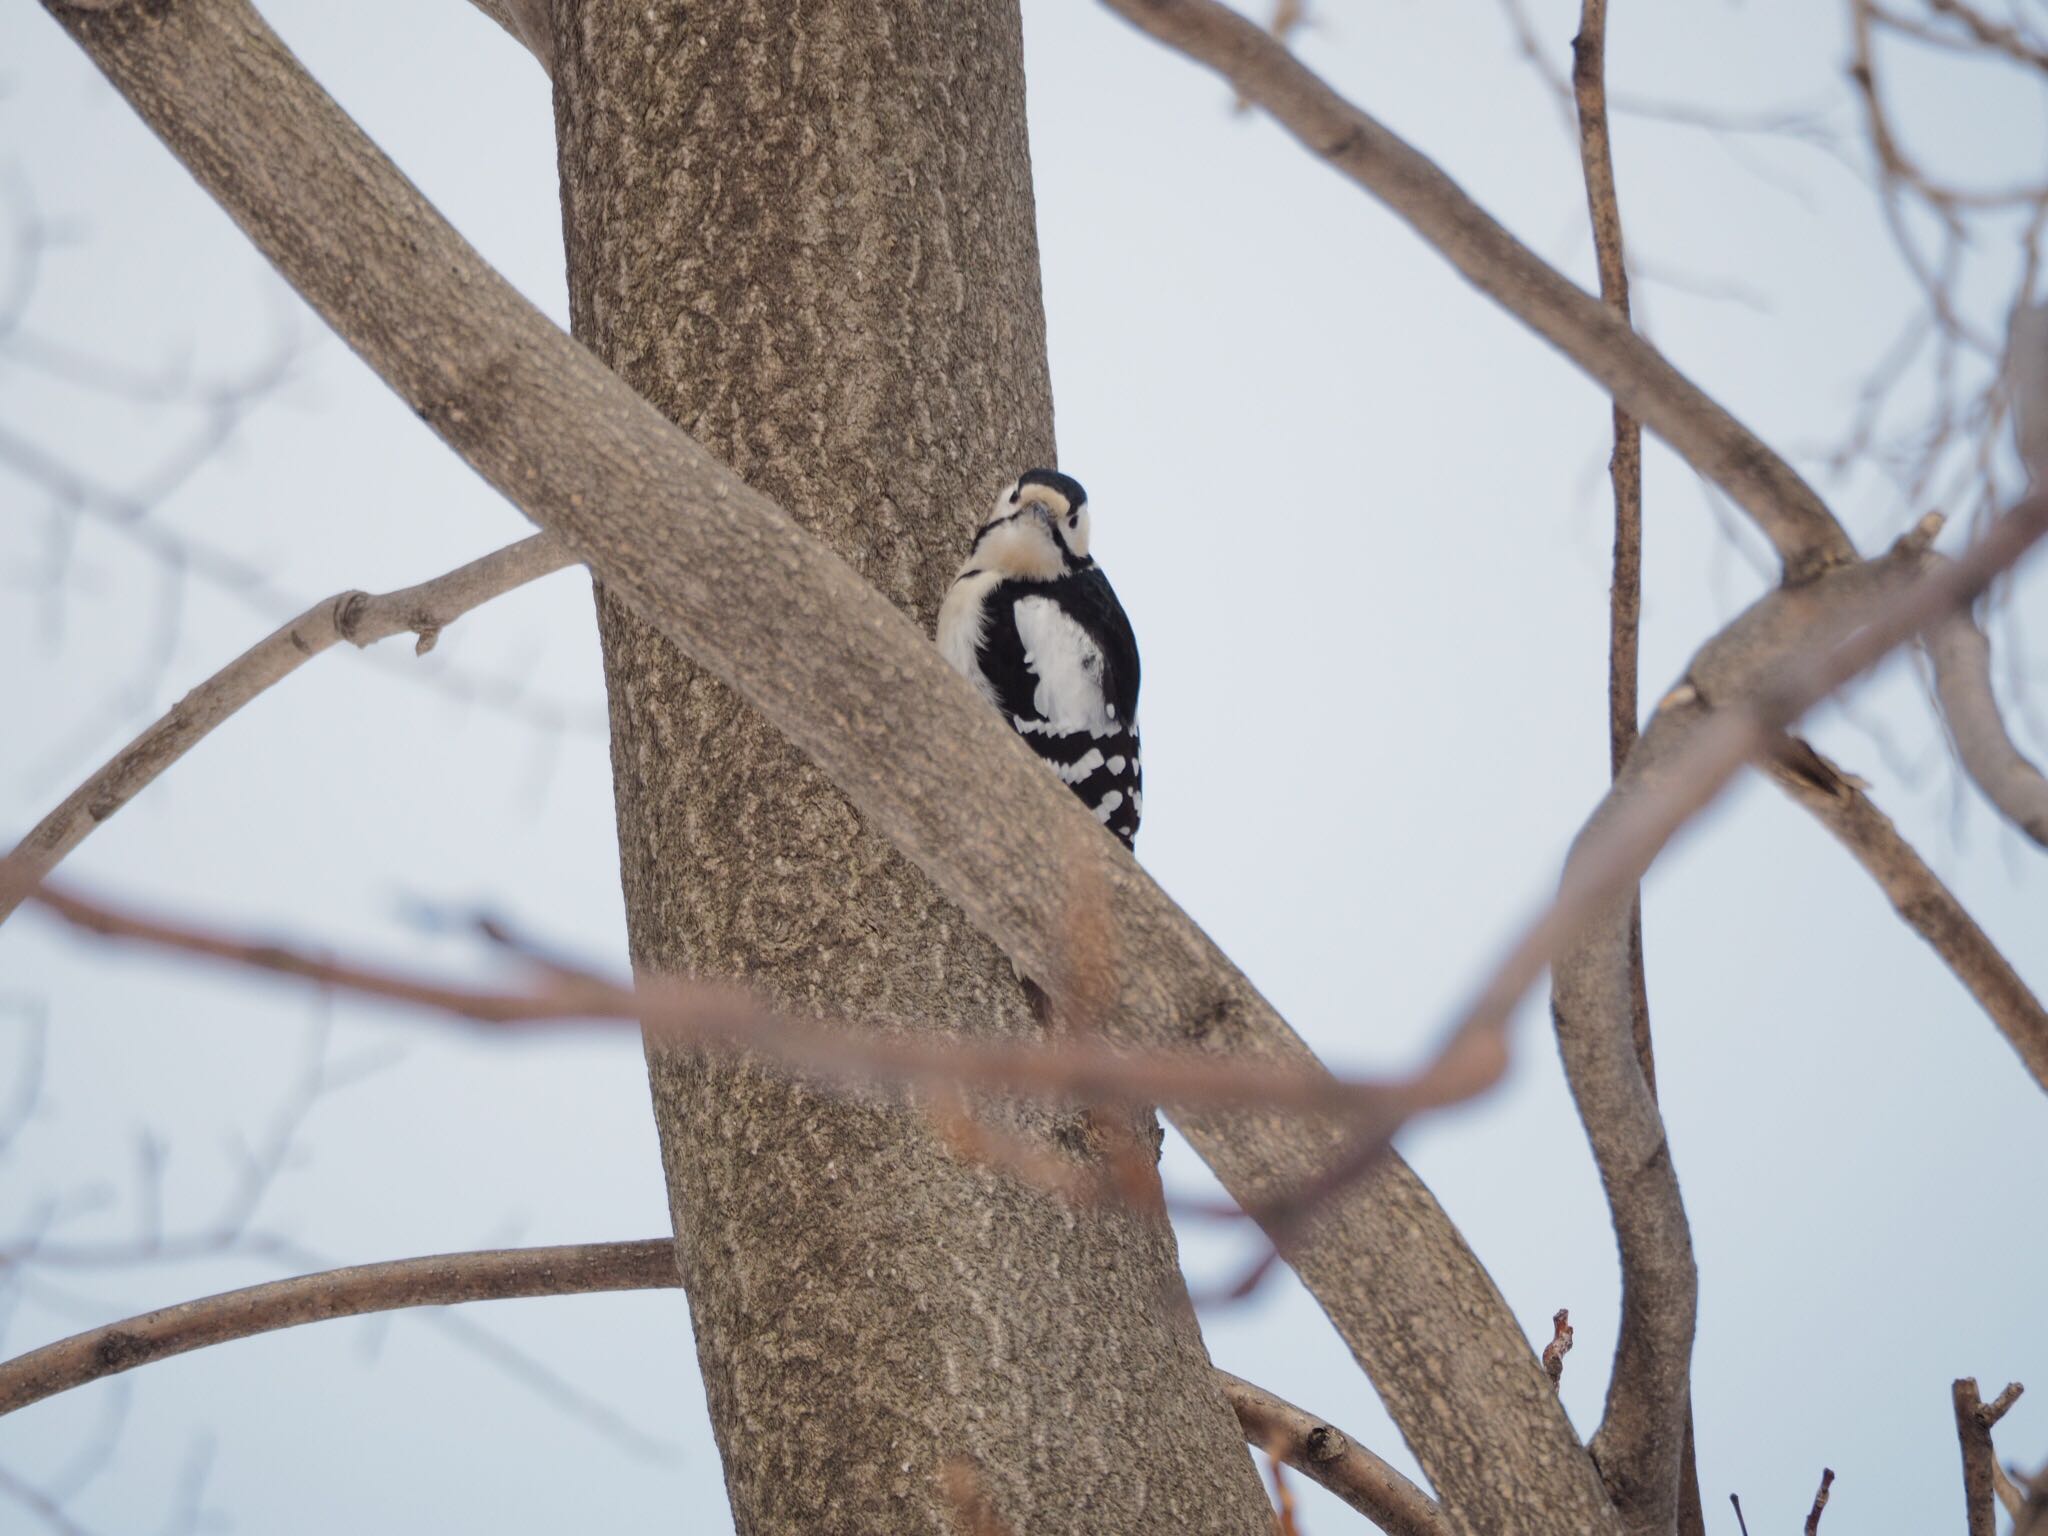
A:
[(1016, 495)]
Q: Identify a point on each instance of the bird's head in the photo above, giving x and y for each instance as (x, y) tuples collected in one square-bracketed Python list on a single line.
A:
[(1037, 529)]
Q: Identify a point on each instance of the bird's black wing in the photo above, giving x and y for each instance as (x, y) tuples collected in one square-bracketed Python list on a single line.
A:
[(1001, 655), (1102, 769)]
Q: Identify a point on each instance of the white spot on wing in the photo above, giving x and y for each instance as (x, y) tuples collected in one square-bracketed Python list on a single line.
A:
[(1075, 772), (1106, 807)]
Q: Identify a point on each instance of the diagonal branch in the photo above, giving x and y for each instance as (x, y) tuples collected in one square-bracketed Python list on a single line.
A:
[(1323, 1452), (1641, 380), (358, 617), (1926, 904), (729, 578)]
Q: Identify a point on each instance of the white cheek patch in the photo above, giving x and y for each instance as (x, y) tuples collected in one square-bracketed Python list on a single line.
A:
[(1023, 548)]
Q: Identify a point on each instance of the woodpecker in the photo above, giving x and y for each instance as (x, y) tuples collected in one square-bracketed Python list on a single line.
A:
[(1032, 622)]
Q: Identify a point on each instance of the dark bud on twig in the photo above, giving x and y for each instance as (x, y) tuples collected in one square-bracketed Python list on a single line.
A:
[(1820, 1501), (1559, 1346)]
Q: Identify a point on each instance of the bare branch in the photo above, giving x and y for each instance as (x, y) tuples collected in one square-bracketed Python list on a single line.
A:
[(1988, 1414), (1820, 1501), (1321, 1451), (1315, 1448), (1642, 381), (1974, 1421), (1625, 467), (1926, 904), (424, 610), (426, 1282), (686, 546)]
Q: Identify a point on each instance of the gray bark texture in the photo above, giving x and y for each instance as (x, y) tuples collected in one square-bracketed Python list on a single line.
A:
[(807, 236)]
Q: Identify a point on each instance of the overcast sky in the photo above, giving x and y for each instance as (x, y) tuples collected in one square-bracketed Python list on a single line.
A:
[(1328, 478)]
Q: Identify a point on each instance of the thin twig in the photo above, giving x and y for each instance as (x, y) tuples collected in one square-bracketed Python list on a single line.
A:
[(1922, 901), (1820, 1501), (1625, 466), (1559, 1346), (358, 617), (1319, 1450), (435, 1281)]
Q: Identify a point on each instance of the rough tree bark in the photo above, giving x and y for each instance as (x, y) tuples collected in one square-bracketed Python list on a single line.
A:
[(809, 240)]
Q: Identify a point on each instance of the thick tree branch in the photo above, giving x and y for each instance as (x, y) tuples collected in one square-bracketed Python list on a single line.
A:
[(1926, 904), (730, 579), (1313, 1447), (1962, 682), (1974, 1421), (1323, 1452), (358, 617), (1641, 380)]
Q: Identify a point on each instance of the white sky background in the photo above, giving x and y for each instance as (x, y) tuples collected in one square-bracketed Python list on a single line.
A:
[(1359, 519)]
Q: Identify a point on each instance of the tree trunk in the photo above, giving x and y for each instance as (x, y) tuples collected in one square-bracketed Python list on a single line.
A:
[(805, 233)]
